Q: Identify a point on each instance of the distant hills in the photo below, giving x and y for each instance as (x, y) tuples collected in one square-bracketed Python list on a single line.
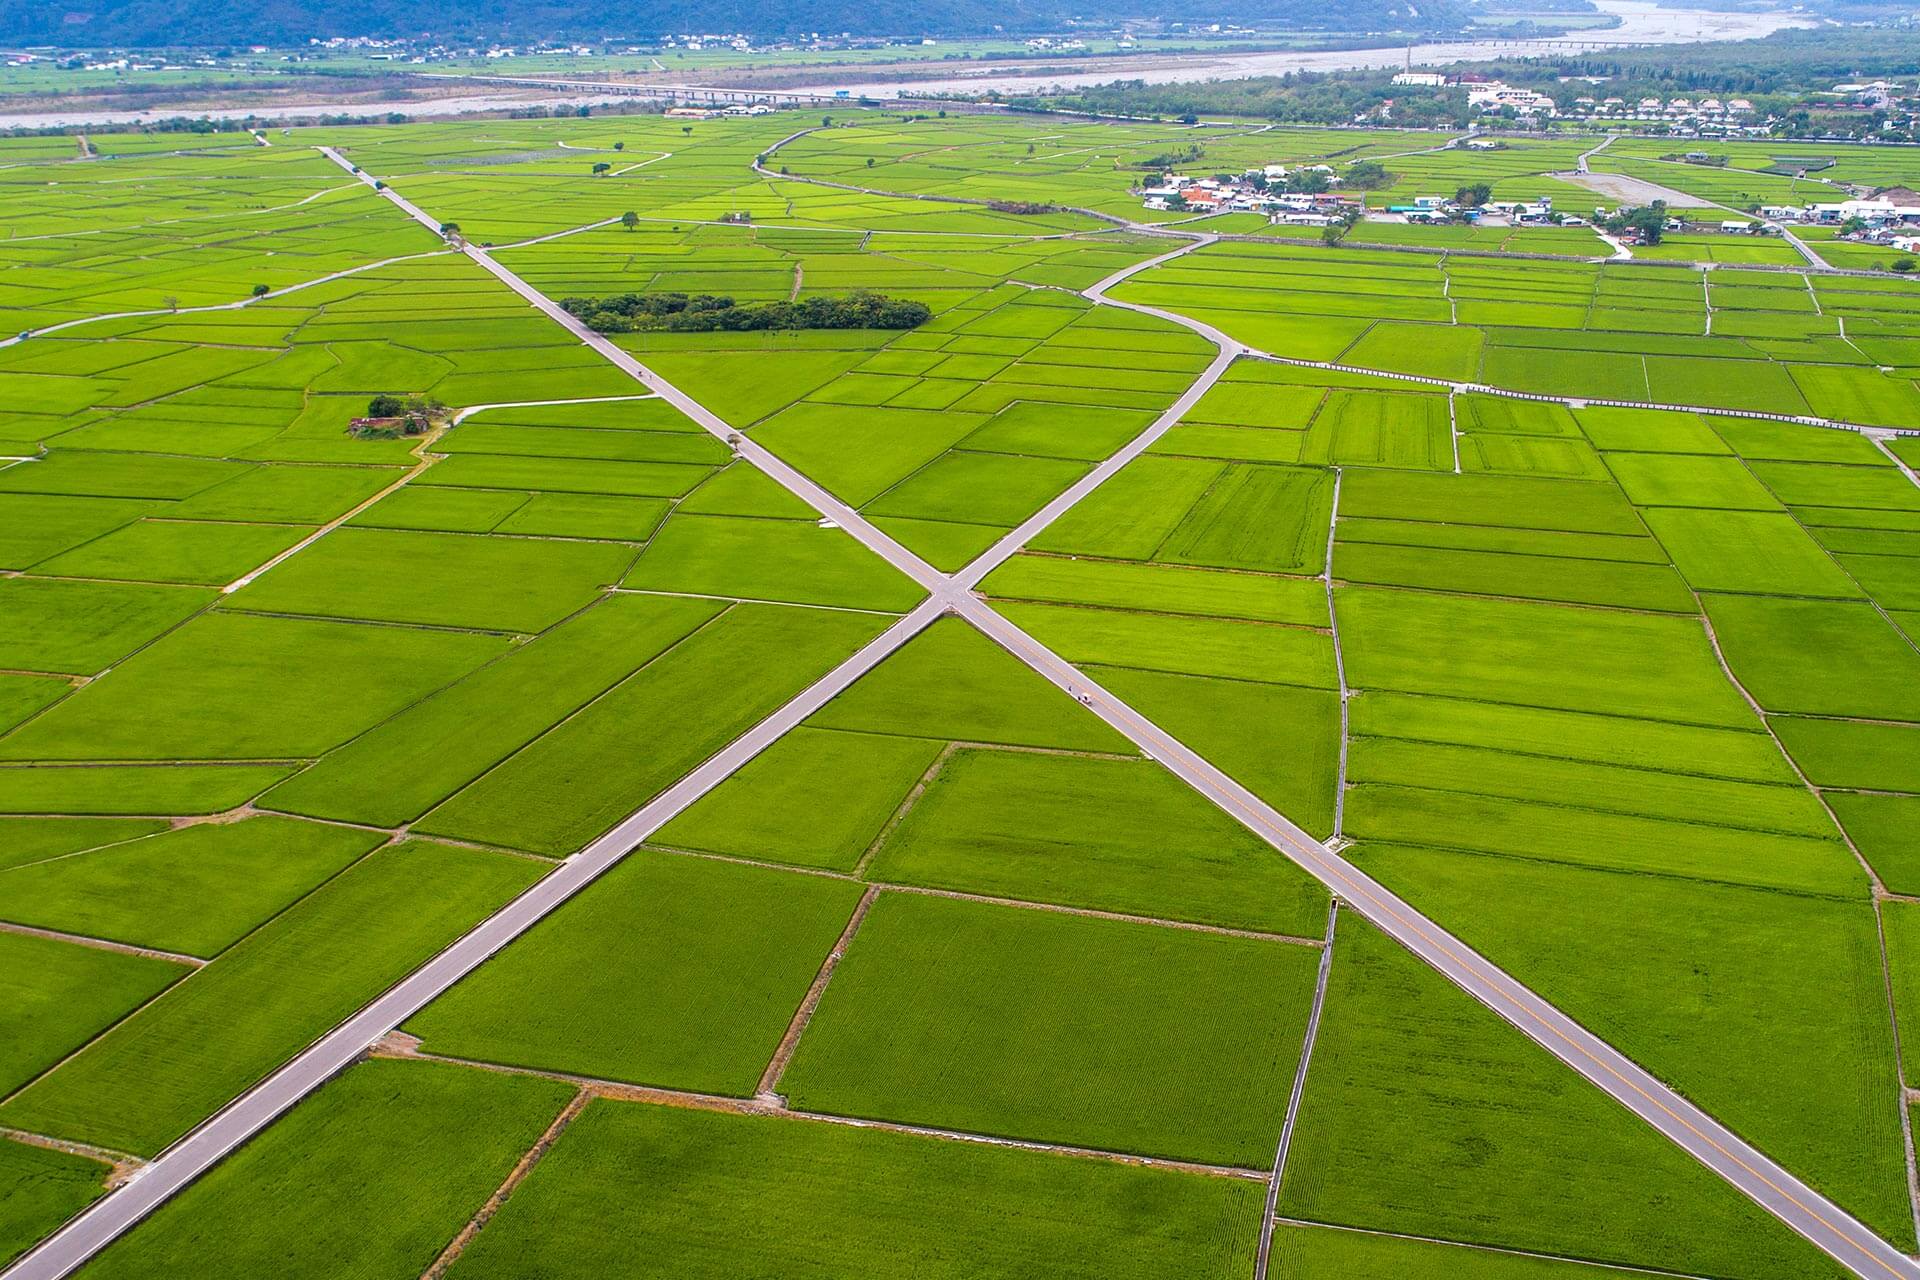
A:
[(228, 23)]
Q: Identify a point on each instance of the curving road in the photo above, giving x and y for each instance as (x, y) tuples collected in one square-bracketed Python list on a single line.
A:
[(1823, 1223)]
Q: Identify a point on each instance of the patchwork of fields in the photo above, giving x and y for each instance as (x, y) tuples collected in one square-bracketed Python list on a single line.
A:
[(947, 974)]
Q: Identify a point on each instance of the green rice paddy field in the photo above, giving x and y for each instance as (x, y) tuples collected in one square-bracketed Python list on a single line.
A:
[(1575, 602)]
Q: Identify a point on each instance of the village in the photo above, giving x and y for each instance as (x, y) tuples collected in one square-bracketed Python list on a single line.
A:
[(1314, 195)]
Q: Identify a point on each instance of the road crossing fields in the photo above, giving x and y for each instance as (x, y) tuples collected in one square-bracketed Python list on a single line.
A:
[(1595, 687)]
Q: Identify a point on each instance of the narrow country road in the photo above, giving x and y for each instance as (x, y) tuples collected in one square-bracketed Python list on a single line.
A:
[(1828, 1227)]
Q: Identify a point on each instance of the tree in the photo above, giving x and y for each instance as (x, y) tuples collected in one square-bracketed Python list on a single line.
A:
[(826, 122), (629, 219), (869, 162), (379, 185), (451, 230), (1309, 182), (1475, 196), (620, 146), (686, 130), (1368, 174), (1902, 265), (1332, 234), (173, 303), (260, 291), (1649, 223), (600, 167)]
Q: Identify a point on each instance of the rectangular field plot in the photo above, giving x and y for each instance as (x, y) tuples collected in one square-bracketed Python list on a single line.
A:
[(1035, 1024), (1258, 651), (242, 687), (789, 560), (847, 785), (59, 995), (1425, 1115), (1578, 581), (229, 1023), (1820, 657), (1160, 588), (40, 1189), (1509, 502), (1514, 652), (1783, 807), (1734, 995), (698, 967), (1325, 1253), (175, 551), (494, 583), (370, 1177), (1116, 835), (78, 628), (953, 684), (714, 1196), (415, 759), (1752, 552), (194, 890), (652, 728)]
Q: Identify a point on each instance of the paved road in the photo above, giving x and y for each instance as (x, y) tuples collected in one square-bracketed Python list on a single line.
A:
[(260, 1106), (1825, 1224), (1799, 1206)]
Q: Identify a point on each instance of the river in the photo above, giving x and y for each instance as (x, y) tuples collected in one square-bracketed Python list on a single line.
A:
[(1642, 23)]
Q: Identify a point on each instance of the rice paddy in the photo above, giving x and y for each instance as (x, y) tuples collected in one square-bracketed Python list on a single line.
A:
[(1573, 598)]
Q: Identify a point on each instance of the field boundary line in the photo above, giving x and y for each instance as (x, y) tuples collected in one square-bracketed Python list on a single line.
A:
[(1618, 1268), (235, 305), (1339, 662), (401, 1046), (790, 1041), (901, 810), (515, 1176), (101, 944), (961, 895), (424, 458), (230, 1127), (1725, 1154), (121, 1164), (1295, 1095)]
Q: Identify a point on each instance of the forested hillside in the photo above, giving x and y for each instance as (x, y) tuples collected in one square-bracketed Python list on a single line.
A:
[(225, 22)]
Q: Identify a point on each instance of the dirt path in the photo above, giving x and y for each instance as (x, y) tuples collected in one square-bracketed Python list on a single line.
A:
[(1295, 1095)]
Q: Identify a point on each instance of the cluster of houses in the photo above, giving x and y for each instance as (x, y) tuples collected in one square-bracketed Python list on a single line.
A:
[(1431, 210), (1890, 216), (708, 113), (1683, 115), (1259, 190)]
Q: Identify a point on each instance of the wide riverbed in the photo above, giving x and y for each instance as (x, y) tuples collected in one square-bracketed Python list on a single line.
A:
[(1642, 23)]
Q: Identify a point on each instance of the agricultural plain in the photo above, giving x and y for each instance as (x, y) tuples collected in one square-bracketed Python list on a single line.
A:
[(1572, 598)]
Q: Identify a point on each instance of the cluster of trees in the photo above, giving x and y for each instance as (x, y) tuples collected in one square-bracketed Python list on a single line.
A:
[(390, 416), (706, 312), (1174, 159), (1297, 98), (1649, 222)]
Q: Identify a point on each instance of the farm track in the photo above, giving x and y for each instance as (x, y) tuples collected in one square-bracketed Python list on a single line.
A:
[(1743, 1166)]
